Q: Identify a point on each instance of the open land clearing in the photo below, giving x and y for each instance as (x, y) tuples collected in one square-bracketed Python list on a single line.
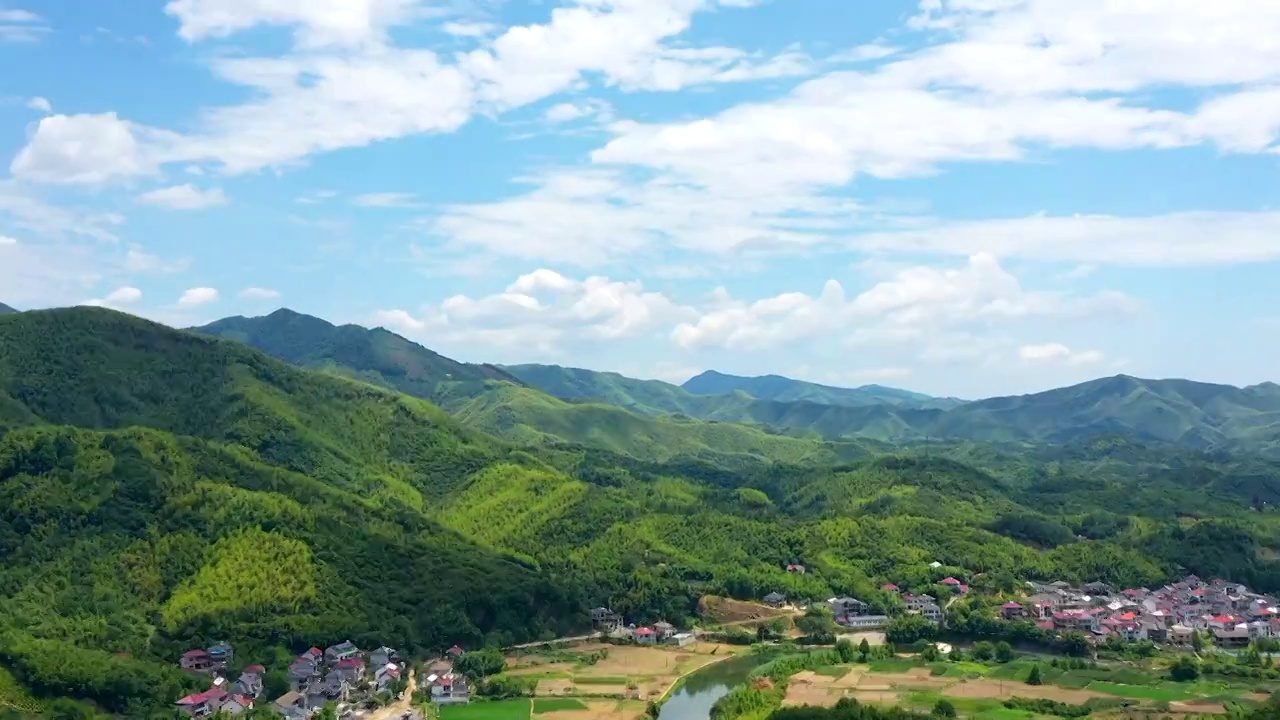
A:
[(614, 671), (979, 695)]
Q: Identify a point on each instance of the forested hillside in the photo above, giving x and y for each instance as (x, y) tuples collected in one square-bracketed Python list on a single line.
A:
[(160, 488), (784, 389)]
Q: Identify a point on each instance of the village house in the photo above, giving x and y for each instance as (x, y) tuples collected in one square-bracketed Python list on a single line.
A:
[(196, 661), (455, 652), (663, 630), (236, 705), (449, 689), (918, 602), (795, 568), (956, 585), (1078, 620), (305, 669), (774, 599), (847, 607), (1012, 611), (931, 612), (603, 618), (1234, 636), (385, 676), (292, 705), (890, 587), (342, 651), (382, 656), (683, 639), (202, 704), (646, 636), (221, 654), (250, 682), (349, 671)]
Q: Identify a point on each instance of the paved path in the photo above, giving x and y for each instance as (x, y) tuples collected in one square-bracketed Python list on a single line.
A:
[(579, 638)]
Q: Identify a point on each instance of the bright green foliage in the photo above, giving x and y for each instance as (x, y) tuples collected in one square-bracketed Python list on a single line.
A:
[(250, 574), (480, 663)]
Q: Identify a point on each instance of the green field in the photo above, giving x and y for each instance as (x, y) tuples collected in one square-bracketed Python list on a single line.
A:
[(599, 680), (500, 710), (546, 705)]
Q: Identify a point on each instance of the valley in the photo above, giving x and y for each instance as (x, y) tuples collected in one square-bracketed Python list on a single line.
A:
[(281, 482)]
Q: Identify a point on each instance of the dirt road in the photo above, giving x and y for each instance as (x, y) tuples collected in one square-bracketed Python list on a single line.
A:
[(397, 708)]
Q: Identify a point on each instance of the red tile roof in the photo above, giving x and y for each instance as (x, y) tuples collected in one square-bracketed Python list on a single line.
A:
[(1011, 606), (889, 586), (255, 669), (950, 581), (351, 662), (195, 653), (646, 631), (201, 698)]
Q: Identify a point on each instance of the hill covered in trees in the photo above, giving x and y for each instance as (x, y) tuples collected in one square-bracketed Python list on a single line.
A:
[(637, 416), (160, 489)]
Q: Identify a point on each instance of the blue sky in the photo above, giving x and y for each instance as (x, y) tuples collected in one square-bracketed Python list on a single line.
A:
[(962, 197)]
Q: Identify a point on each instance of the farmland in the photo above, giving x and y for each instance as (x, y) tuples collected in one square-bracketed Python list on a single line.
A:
[(608, 671)]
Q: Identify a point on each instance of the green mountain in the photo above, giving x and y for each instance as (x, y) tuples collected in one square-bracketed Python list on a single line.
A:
[(160, 489), (6, 310), (377, 356), (497, 401), (783, 389)]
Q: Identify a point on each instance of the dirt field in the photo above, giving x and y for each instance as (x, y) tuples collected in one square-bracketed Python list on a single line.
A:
[(648, 670), (1182, 708), (725, 610), (809, 688), (1009, 688)]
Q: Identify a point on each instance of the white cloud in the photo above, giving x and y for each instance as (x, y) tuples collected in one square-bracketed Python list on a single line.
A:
[(543, 307), (138, 260), (40, 104), (317, 22), (1057, 353), (198, 296), (6, 240), (257, 293), (924, 306), (89, 149), (184, 197), (118, 298), (21, 26), (21, 209), (1188, 238), (386, 200)]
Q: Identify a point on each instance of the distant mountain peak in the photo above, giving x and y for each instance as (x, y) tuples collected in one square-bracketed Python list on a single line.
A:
[(784, 389), (6, 310)]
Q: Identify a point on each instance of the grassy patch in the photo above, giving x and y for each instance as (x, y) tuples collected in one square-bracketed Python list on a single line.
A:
[(599, 680), (546, 705), (500, 710), (1145, 692), (14, 695), (894, 665), (833, 671)]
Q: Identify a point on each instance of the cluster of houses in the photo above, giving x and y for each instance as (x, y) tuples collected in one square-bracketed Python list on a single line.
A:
[(1227, 612), (339, 674), (445, 686), (659, 633)]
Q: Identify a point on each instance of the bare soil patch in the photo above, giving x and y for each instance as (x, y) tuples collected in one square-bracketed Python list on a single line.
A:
[(878, 697), (727, 610), (1183, 708)]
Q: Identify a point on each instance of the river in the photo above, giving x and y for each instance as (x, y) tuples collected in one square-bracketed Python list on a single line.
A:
[(702, 689)]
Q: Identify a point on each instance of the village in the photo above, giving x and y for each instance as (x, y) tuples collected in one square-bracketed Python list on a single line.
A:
[(1187, 613)]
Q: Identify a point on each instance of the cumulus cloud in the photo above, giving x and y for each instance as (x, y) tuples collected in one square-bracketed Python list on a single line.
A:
[(198, 296), (542, 307), (316, 22), (184, 197), (90, 149), (1057, 353), (117, 298), (918, 305), (40, 104), (257, 293)]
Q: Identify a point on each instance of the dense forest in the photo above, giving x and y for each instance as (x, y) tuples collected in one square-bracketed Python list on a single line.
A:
[(162, 489)]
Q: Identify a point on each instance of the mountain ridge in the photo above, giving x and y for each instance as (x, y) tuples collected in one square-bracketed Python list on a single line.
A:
[(1173, 411), (6, 310), (785, 389)]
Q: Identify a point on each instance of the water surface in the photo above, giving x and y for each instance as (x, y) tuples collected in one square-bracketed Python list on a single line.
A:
[(702, 689)]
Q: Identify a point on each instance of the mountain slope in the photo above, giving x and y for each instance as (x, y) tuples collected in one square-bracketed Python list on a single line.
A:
[(783, 389), (211, 492), (377, 356), (6, 310), (496, 401)]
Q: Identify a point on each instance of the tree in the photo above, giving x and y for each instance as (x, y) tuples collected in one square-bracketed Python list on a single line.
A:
[(910, 628), (1033, 677), (275, 683), (816, 621), (480, 663), (983, 651), (1074, 644), (1197, 641), (1186, 669), (929, 653), (864, 649), (956, 655), (846, 651), (1004, 652), (944, 708)]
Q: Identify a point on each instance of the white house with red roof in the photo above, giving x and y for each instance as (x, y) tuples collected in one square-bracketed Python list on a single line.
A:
[(646, 636), (196, 661), (1012, 610), (202, 704)]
